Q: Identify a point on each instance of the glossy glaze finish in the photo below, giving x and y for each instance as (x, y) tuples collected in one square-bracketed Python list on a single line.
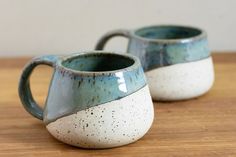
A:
[(167, 53), (163, 45), (111, 124), (94, 99), (24, 84), (72, 87), (160, 46)]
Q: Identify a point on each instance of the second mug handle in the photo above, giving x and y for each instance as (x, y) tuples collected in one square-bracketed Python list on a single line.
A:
[(103, 40)]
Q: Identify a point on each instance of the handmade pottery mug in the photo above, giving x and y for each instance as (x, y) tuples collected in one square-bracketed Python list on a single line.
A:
[(95, 100), (176, 59)]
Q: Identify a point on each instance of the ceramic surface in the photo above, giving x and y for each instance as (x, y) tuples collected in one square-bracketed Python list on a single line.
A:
[(107, 125), (181, 81), (163, 46), (85, 82)]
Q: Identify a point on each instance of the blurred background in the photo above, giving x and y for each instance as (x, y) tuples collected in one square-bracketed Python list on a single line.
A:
[(34, 27)]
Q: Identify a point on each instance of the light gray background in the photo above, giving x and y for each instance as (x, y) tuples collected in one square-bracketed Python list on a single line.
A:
[(34, 27)]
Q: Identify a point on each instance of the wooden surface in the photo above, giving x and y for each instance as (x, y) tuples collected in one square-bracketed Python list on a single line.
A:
[(205, 126)]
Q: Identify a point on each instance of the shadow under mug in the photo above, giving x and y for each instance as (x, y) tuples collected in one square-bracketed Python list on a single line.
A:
[(176, 59), (95, 100)]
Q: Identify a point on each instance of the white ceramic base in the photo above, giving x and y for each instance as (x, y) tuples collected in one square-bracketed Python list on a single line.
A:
[(181, 81), (108, 125)]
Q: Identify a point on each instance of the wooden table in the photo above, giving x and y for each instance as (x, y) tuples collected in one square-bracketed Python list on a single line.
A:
[(205, 126)]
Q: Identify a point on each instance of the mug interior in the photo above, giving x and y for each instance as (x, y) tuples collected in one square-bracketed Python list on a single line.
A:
[(98, 62), (168, 32)]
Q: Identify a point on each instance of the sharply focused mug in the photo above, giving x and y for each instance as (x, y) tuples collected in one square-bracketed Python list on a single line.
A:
[(95, 100), (176, 59)]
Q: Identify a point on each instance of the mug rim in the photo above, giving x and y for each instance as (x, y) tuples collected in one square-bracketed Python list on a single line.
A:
[(136, 63), (201, 35)]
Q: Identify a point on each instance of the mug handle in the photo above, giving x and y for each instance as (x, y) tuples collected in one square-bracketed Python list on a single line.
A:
[(104, 39), (24, 90)]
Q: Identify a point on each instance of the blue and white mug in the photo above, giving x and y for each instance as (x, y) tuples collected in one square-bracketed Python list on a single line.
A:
[(95, 100), (176, 59)]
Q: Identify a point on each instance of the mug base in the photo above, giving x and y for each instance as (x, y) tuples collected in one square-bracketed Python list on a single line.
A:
[(181, 81), (108, 125)]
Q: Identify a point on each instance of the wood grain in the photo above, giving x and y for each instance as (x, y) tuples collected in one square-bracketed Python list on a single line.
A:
[(205, 126)]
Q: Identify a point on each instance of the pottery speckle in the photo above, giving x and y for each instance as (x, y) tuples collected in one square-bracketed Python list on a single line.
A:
[(89, 90), (95, 100), (110, 124)]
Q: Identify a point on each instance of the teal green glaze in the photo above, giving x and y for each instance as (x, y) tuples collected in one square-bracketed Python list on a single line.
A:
[(158, 46), (167, 32), (154, 55), (24, 86), (85, 80), (97, 63)]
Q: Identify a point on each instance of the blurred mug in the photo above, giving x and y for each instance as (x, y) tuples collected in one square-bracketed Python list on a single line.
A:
[(176, 59)]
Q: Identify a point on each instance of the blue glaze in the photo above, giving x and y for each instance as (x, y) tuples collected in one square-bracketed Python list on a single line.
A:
[(81, 81), (163, 45), (153, 55), (71, 91), (24, 86), (167, 32)]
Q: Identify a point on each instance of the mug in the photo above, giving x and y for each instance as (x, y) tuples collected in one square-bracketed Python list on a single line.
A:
[(176, 59), (95, 99)]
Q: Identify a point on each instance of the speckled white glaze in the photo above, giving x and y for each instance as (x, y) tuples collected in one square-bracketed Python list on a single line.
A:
[(111, 124), (181, 81)]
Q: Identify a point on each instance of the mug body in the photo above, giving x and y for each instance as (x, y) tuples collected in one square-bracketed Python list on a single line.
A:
[(98, 100), (176, 60)]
